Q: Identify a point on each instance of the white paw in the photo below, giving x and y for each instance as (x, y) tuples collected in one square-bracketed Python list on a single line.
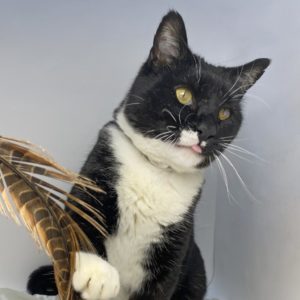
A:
[(94, 278)]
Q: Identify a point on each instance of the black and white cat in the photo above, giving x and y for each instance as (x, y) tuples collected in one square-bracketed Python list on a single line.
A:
[(150, 160)]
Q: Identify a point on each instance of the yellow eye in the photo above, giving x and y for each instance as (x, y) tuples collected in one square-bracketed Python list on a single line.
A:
[(224, 114), (184, 95)]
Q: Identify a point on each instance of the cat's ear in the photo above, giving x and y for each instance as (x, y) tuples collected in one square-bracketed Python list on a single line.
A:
[(245, 76), (170, 41)]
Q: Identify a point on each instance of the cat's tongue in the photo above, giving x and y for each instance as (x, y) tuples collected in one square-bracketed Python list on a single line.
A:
[(196, 148)]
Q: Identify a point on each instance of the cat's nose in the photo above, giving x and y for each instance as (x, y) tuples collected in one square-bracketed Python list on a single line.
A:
[(206, 131)]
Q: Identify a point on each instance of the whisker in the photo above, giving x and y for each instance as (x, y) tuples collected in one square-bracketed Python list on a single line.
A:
[(239, 156), (239, 88), (263, 101), (226, 137), (247, 85), (234, 84), (239, 177), (148, 131), (233, 138), (179, 115), (224, 175), (260, 99), (138, 97), (210, 163), (162, 134), (230, 96), (133, 103), (186, 118), (238, 96), (172, 116), (243, 150), (168, 138)]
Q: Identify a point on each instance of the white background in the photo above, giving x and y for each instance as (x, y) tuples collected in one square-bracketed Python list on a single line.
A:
[(64, 67)]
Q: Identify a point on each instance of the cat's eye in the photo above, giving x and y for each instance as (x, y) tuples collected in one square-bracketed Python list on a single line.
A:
[(184, 95), (224, 114)]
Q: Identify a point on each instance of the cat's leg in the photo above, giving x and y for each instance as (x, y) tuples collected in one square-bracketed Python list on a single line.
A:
[(94, 278), (42, 282), (192, 285)]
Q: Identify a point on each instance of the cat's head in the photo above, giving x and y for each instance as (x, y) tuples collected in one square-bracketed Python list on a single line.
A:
[(182, 111)]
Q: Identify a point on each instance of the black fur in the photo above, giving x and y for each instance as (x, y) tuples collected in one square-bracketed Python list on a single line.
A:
[(41, 281), (176, 266)]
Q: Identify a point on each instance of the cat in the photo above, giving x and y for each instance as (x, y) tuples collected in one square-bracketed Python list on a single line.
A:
[(150, 160)]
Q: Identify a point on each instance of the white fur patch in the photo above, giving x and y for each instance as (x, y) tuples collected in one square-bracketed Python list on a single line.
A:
[(188, 138), (163, 154), (94, 278), (148, 197)]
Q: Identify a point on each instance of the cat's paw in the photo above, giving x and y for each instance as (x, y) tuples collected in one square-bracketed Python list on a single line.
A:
[(94, 278)]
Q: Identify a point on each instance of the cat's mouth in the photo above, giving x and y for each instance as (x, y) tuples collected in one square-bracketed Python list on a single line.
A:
[(189, 140), (196, 148)]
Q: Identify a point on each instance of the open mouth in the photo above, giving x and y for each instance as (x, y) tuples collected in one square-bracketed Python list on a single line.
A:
[(190, 141), (195, 148)]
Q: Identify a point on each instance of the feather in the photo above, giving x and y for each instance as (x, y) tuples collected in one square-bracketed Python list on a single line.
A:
[(28, 197)]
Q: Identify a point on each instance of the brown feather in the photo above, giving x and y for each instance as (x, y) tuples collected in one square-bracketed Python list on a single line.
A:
[(27, 196)]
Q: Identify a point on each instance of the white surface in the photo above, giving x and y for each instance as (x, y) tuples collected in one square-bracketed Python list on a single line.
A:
[(8, 294), (64, 67)]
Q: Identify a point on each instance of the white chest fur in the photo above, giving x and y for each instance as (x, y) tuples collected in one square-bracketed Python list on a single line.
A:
[(148, 197)]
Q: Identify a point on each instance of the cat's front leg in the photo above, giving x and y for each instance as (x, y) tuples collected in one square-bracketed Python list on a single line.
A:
[(94, 278)]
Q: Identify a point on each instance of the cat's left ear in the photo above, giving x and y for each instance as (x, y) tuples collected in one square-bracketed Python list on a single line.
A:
[(245, 76), (170, 41)]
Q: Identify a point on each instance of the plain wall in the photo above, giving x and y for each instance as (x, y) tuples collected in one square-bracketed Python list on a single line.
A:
[(64, 66), (257, 242)]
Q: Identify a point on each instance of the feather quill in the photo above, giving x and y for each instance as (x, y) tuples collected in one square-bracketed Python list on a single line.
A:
[(28, 197)]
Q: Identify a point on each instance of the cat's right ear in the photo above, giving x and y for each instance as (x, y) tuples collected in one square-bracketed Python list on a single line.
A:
[(246, 75), (170, 41)]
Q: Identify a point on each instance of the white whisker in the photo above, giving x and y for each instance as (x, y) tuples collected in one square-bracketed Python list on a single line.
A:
[(239, 156), (239, 88), (238, 175), (179, 115), (134, 103), (186, 118), (168, 138), (224, 175), (232, 93), (239, 76), (138, 97), (226, 137), (267, 105), (162, 134), (243, 150), (172, 116), (148, 131)]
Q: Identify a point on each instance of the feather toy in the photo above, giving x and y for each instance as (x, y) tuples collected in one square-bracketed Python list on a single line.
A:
[(29, 197)]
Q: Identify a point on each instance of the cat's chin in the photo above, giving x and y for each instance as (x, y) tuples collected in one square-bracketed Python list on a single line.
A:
[(164, 155), (185, 159)]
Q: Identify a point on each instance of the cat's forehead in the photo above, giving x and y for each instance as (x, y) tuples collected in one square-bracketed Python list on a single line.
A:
[(204, 79)]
